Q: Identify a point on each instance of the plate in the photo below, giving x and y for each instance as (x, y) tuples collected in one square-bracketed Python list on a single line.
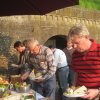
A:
[(36, 78), (74, 95)]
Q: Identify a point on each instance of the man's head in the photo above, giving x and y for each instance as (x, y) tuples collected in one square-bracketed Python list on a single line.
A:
[(69, 43), (19, 46), (33, 45), (79, 36), (52, 48), (25, 43)]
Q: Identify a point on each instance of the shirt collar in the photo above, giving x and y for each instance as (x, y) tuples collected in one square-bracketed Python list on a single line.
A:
[(69, 48)]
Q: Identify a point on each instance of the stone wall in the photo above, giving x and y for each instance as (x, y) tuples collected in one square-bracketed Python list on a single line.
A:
[(14, 28)]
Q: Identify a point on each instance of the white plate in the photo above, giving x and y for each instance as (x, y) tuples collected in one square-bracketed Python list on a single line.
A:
[(74, 95), (35, 78)]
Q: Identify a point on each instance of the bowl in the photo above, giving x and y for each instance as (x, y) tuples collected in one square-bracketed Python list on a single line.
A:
[(23, 88), (27, 97), (3, 89)]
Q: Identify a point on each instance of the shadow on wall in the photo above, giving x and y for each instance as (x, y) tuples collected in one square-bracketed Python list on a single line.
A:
[(58, 41), (5, 56)]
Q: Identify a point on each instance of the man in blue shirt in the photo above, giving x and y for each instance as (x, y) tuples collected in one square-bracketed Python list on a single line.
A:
[(62, 72)]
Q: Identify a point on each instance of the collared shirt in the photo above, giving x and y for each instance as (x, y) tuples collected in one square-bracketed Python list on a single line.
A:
[(59, 58), (43, 62), (69, 48)]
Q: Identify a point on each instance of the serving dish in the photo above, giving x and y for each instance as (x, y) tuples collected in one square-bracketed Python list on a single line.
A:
[(22, 87)]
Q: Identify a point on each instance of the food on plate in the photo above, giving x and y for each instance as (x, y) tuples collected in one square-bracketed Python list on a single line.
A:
[(81, 90), (75, 90), (22, 87), (20, 84), (28, 97), (4, 92), (32, 75), (35, 75), (3, 81), (3, 87), (15, 78), (38, 75), (12, 97)]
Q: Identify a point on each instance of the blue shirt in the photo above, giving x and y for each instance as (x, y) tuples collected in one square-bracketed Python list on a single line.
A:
[(60, 59)]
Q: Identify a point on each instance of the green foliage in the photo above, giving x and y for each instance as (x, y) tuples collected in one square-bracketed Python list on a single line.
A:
[(91, 4)]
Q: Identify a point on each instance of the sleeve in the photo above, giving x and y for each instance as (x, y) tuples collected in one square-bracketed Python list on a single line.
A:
[(25, 57), (51, 68)]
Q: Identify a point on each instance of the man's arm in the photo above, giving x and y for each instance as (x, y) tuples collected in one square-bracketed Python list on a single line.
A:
[(51, 67)]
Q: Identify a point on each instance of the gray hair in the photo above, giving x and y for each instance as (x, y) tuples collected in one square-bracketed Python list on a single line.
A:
[(32, 41), (78, 29)]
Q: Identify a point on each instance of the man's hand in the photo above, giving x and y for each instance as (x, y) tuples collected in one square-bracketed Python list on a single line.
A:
[(91, 94), (24, 76), (14, 65)]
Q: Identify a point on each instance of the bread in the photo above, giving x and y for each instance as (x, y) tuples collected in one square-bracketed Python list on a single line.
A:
[(76, 90), (80, 90)]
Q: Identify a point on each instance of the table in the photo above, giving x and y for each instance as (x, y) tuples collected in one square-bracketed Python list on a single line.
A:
[(17, 96)]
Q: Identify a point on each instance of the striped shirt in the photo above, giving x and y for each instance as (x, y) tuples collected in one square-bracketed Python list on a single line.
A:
[(43, 62), (88, 66)]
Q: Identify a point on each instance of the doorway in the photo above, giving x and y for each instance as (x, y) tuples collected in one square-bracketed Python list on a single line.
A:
[(58, 41)]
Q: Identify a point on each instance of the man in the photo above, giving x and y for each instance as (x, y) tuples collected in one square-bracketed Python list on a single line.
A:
[(68, 52), (86, 60), (41, 58), (23, 51), (62, 70)]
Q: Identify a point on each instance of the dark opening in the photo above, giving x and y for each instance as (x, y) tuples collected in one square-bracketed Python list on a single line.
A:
[(58, 41)]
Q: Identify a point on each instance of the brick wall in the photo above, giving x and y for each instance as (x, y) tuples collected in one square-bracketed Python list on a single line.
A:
[(14, 28)]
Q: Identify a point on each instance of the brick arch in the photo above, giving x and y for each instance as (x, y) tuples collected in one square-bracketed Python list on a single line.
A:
[(58, 41)]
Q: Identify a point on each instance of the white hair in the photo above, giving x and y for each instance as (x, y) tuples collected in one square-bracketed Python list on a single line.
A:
[(78, 29), (32, 41)]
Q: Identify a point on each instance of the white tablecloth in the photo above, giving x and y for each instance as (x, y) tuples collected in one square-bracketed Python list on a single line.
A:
[(16, 96)]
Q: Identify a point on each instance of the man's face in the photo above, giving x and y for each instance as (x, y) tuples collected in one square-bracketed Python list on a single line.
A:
[(19, 49), (34, 49), (80, 43), (69, 44)]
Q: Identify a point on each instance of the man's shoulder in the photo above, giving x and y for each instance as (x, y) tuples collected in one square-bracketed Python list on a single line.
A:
[(64, 49), (45, 50), (59, 50)]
